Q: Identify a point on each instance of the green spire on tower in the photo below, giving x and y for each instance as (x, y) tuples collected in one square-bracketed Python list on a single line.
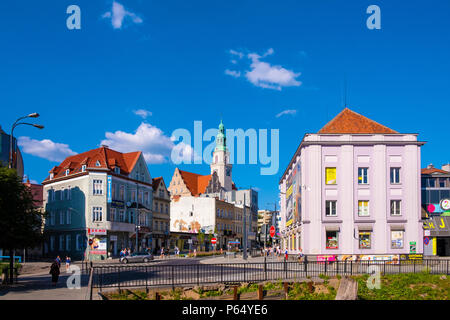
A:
[(221, 139)]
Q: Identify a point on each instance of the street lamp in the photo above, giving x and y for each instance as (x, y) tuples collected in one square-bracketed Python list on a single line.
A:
[(17, 123)]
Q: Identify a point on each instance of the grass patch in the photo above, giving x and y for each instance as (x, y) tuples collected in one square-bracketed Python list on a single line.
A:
[(407, 286)]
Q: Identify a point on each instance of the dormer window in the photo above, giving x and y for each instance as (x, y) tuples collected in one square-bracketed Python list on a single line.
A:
[(97, 164), (117, 170), (51, 176), (83, 168), (67, 172)]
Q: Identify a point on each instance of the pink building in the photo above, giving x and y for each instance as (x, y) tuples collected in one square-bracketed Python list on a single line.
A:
[(353, 189)]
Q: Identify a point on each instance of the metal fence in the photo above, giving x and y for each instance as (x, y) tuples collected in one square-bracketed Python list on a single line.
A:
[(148, 275)]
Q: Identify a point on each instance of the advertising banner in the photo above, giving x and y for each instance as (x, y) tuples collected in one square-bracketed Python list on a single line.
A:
[(98, 245), (289, 201), (109, 189)]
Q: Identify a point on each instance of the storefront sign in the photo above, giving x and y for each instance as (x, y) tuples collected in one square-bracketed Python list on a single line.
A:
[(96, 231), (438, 226), (445, 204), (117, 204), (412, 247)]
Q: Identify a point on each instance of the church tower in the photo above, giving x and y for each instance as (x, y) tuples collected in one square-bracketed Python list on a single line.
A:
[(221, 159)]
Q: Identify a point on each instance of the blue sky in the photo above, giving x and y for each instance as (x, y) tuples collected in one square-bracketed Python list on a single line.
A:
[(170, 59)]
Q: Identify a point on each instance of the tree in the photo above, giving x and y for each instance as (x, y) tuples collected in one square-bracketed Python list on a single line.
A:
[(201, 238), (20, 219)]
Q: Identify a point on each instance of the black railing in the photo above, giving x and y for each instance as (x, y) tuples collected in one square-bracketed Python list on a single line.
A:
[(148, 275)]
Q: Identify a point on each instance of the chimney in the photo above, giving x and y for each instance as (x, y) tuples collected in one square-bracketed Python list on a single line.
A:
[(446, 167), (105, 146), (430, 166)]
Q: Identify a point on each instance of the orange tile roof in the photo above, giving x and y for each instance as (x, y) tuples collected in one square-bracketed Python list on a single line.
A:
[(108, 158), (433, 170), (350, 122), (196, 183)]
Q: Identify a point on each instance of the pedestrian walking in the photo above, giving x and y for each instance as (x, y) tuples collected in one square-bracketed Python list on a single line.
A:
[(58, 261), (68, 261), (286, 255), (162, 253), (54, 271)]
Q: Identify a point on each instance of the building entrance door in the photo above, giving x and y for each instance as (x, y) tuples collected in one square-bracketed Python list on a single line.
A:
[(443, 246)]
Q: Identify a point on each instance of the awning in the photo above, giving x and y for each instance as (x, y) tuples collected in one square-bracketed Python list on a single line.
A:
[(365, 227), (332, 228), (398, 227)]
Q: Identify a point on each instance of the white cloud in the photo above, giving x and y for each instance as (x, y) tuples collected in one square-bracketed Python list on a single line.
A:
[(149, 139), (142, 113), (233, 73), (263, 74), (45, 149), (292, 112), (118, 14)]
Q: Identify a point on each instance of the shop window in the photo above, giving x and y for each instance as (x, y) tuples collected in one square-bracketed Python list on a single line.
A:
[(365, 240), (397, 238), (332, 241)]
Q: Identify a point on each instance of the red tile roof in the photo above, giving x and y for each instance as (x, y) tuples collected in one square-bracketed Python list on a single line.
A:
[(37, 191), (350, 122), (108, 159), (196, 183), (433, 170)]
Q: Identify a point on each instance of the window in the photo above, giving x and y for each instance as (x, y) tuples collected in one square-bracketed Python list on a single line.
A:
[(68, 242), (363, 208), (97, 214), (332, 240), (61, 242), (52, 243), (97, 164), (133, 195), (117, 170), (61, 217), (98, 187), (112, 214), (83, 168), (330, 208), (79, 242), (167, 208), (397, 239), (395, 207), (330, 175), (52, 218), (61, 194), (51, 176), (363, 176), (161, 208), (68, 217), (121, 216), (67, 172), (442, 183), (395, 175), (146, 198), (69, 193), (122, 193), (365, 240), (140, 196)]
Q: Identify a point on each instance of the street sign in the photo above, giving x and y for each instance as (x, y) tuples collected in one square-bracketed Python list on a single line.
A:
[(426, 241), (272, 231), (213, 240)]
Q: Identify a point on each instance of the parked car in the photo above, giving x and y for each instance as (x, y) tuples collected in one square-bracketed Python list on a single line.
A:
[(137, 257)]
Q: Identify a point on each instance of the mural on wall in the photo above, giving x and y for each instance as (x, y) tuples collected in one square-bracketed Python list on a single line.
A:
[(195, 227), (180, 225)]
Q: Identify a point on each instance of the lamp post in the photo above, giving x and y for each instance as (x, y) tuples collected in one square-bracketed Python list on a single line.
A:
[(13, 164)]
